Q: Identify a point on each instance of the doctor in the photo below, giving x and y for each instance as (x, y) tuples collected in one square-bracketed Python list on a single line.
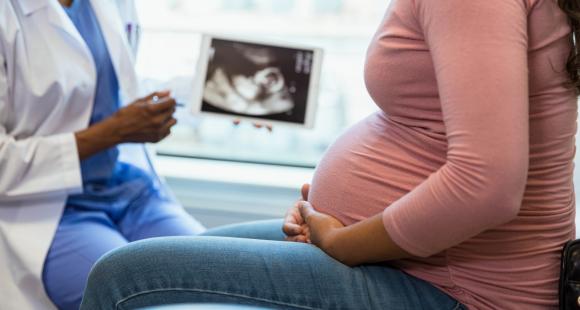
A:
[(67, 196)]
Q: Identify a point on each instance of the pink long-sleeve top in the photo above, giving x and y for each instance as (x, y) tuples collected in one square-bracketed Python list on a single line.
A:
[(470, 158)]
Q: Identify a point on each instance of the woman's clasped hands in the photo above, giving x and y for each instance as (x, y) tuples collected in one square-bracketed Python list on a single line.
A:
[(303, 223)]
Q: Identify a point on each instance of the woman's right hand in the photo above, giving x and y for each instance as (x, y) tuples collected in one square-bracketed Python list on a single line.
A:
[(148, 119), (294, 226)]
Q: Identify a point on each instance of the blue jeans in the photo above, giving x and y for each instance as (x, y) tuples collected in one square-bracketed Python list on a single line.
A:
[(258, 270)]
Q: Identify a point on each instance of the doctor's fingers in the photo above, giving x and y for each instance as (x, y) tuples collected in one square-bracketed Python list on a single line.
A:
[(157, 94), (162, 105), (161, 125), (154, 134), (167, 126), (160, 120), (149, 137), (166, 129)]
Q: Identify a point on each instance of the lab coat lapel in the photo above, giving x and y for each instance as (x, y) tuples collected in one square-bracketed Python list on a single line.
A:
[(57, 17), (114, 33), (30, 6), (53, 12)]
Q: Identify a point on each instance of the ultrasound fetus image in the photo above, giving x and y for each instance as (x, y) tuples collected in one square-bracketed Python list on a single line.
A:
[(258, 81)]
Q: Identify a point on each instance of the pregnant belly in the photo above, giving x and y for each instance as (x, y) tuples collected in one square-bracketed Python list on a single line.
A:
[(370, 166)]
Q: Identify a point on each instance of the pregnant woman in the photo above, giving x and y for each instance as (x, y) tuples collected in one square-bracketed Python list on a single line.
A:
[(457, 194)]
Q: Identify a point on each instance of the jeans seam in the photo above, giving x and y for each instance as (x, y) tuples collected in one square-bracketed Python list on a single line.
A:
[(212, 292), (367, 289), (458, 306)]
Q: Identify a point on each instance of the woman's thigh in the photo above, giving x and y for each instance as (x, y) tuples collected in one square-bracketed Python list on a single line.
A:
[(272, 274), (263, 230), (80, 240)]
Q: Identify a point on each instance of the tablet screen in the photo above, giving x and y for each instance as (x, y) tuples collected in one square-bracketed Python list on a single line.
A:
[(265, 82)]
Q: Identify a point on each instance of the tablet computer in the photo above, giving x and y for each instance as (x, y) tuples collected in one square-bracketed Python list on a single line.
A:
[(261, 81)]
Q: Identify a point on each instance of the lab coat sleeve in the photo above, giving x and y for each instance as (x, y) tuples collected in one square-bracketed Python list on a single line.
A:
[(36, 166)]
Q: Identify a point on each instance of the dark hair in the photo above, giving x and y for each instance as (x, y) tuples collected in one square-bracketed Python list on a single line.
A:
[(572, 9)]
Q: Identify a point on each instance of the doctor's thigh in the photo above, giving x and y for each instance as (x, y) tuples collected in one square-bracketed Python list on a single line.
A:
[(83, 236)]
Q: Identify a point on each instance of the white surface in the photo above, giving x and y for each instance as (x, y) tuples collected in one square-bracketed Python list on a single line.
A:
[(219, 193), (232, 172)]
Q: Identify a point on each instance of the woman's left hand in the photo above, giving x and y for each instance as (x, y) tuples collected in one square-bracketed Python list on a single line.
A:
[(363, 242), (324, 229)]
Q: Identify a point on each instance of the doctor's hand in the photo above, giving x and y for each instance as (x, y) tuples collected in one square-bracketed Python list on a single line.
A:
[(148, 119), (294, 226)]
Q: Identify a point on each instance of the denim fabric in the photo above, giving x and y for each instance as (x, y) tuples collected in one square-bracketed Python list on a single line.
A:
[(263, 271)]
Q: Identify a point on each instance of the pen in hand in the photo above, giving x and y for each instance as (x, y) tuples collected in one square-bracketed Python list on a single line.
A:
[(179, 104)]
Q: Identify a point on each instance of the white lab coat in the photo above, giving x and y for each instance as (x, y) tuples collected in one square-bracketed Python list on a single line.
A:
[(47, 82)]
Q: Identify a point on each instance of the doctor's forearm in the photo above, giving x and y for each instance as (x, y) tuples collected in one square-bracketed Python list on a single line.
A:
[(95, 139), (139, 122)]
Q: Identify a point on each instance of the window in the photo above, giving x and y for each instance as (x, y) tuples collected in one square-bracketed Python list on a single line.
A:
[(168, 55)]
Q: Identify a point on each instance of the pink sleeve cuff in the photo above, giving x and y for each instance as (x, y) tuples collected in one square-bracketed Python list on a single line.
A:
[(398, 236)]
